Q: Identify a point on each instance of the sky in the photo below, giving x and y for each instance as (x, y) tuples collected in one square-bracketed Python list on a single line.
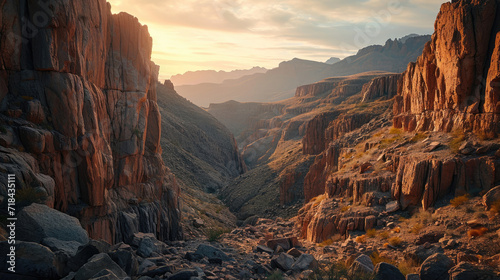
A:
[(190, 35)]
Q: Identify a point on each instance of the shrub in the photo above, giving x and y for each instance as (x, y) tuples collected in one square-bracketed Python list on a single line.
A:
[(215, 234), (275, 276), (459, 200), (317, 200), (327, 242), (384, 234), (416, 228), (371, 232), (408, 266), (360, 239), (395, 241), (477, 232)]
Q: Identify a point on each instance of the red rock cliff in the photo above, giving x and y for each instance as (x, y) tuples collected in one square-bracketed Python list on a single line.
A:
[(455, 82), (78, 103)]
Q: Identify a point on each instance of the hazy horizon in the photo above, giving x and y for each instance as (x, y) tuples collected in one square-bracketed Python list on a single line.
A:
[(229, 35)]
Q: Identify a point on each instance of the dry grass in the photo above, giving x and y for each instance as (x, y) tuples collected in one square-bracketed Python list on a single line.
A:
[(345, 209), (486, 135), (459, 200), (416, 228), (384, 234), (360, 239), (458, 136), (371, 233), (408, 267), (317, 200), (418, 137), (395, 241), (396, 131)]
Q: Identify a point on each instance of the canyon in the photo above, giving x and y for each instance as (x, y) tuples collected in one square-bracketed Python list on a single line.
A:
[(385, 164)]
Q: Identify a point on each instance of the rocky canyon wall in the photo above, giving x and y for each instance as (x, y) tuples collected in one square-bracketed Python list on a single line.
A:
[(80, 121), (455, 82)]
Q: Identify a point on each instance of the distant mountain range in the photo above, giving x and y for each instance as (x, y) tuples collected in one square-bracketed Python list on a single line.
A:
[(212, 76), (280, 83)]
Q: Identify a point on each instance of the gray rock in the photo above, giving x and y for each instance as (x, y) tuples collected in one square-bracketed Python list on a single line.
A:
[(32, 260), (385, 271), (96, 264), (412, 277), (126, 260), (146, 247), (86, 251), (264, 249), (211, 252), (419, 253), (362, 265), (184, 275), (68, 247), (305, 262), (158, 271), (145, 265), (436, 267), (32, 139), (283, 261), (105, 274), (37, 221), (392, 206), (468, 271)]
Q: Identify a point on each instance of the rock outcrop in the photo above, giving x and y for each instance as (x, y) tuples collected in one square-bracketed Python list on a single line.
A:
[(78, 103), (386, 86), (455, 82)]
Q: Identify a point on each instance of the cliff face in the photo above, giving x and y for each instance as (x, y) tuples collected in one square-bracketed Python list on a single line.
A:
[(455, 82), (78, 102)]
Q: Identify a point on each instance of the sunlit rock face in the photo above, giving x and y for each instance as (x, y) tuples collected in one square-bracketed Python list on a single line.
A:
[(455, 82), (78, 97)]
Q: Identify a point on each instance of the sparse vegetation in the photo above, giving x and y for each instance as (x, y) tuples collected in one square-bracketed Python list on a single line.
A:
[(408, 266), (360, 239), (416, 228), (459, 200), (277, 275), (418, 137), (214, 234), (317, 200), (395, 241), (384, 234), (458, 137), (371, 233), (395, 131), (344, 209)]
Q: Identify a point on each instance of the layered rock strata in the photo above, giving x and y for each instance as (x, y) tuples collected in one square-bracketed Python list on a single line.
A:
[(79, 117)]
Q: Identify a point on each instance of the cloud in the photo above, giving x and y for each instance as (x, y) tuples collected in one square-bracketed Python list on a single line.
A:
[(247, 32)]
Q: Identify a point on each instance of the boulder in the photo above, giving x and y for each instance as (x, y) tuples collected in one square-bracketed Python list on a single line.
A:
[(436, 267), (468, 271), (184, 274), (98, 263), (32, 260), (385, 271), (362, 265), (492, 197), (283, 261), (105, 274), (211, 252), (126, 259), (305, 262), (37, 221), (68, 247)]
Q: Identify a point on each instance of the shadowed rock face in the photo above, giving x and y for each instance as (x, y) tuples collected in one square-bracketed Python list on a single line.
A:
[(455, 82), (78, 103)]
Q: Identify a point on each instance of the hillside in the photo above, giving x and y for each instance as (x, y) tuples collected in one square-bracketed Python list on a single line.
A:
[(280, 83), (212, 76)]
